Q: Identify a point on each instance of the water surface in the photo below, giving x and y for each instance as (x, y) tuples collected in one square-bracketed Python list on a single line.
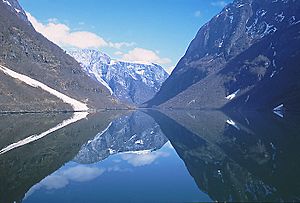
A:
[(152, 156)]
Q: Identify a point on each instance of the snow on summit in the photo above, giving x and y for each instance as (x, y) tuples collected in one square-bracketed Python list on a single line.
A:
[(128, 81)]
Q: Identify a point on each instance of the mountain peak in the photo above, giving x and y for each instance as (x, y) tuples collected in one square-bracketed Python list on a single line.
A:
[(238, 46), (15, 7), (130, 82)]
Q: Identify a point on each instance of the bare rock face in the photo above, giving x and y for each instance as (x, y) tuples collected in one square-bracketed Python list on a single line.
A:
[(15, 7), (27, 52), (245, 57), (133, 83)]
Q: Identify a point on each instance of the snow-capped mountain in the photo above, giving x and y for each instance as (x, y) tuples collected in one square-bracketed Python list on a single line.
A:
[(130, 82)]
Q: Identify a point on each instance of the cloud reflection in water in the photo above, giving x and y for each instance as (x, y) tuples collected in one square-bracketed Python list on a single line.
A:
[(142, 158), (61, 179)]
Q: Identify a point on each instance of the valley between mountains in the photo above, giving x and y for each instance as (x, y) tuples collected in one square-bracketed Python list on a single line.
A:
[(86, 123), (246, 57)]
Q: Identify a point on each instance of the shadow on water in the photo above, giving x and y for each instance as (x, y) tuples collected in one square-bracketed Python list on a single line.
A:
[(237, 157)]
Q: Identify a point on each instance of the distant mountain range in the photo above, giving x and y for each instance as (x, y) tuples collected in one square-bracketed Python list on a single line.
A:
[(25, 51), (133, 83), (245, 57)]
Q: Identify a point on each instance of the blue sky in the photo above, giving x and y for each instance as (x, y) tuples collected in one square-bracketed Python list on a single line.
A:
[(157, 30)]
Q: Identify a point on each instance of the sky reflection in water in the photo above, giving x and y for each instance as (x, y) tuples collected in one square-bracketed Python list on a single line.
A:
[(131, 176), (170, 156)]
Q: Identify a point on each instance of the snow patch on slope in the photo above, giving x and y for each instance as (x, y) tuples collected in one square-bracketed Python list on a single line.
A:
[(232, 123), (77, 105), (233, 95), (6, 2), (106, 85)]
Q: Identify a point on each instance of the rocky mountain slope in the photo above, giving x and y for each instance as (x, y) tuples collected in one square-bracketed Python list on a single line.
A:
[(27, 52), (245, 57), (15, 7), (133, 83)]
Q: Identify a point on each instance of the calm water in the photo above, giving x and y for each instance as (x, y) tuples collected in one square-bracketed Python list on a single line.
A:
[(150, 156)]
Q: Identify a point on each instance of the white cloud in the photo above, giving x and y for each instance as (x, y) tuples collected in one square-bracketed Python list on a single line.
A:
[(119, 45), (144, 55), (197, 14), (63, 36), (219, 3), (118, 53), (51, 20), (169, 69)]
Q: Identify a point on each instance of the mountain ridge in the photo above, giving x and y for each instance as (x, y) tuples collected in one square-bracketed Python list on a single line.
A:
[(133, 83), (236, 52), (27, 52)]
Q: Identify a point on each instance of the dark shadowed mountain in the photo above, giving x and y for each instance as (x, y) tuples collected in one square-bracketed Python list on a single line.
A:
[(27, 52), (245, 57)]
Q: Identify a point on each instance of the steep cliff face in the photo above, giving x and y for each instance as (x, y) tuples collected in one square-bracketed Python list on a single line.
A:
[(133, 83), (15, 7), (27, 52), (245, 50)]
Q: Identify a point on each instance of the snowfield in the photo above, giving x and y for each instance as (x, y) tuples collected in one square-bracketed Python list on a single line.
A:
[(79, 108), (77, 105)]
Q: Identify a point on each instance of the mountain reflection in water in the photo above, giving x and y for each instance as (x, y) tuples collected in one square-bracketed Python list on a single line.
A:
[(152, 156), (252, 158)]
